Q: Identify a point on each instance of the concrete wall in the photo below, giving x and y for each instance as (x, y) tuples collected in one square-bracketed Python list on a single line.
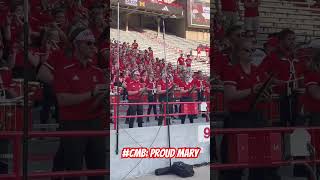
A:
[(198, 35), (176, 27), (181, 136)]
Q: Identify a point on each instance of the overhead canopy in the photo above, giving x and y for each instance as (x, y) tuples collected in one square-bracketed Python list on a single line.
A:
[(149, 7)]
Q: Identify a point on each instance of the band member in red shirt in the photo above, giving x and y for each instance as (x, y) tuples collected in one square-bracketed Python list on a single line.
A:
[(312, 96), (242, 82), (135, 91), (201, 85), (287, 70), (164, 88), (81, 90), (152, 89), (187, 86)]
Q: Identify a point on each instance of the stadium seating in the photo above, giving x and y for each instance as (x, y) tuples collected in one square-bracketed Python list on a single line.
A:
[(174, 46), (297, 15)]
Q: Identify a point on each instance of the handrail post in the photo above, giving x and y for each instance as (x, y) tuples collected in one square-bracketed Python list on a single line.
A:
[(16, 156), (165, 114)]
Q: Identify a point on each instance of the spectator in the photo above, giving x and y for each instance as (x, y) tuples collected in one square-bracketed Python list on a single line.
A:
[(251, 16), (135, 45), (229, 10), (188, 63)]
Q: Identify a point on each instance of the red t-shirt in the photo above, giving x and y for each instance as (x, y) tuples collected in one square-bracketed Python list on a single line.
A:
[(251, 11), (76, 79), (188, 62), (311, 104), (134, 86), (238, 78), (135, 45), (229, 5), (181, 61)]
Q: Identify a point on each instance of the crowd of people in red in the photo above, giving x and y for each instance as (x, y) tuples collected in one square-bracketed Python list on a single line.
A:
[(143, 77)]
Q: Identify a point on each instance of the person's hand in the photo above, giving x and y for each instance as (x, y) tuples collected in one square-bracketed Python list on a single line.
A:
[(256, 88)]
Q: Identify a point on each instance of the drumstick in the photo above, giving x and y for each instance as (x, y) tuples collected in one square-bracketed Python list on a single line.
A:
[(265, 86)]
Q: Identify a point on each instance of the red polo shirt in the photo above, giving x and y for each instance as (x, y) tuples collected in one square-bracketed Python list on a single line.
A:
[(181, 61), (77, 79), (229, 5), (281, 66), (151, 84), (311, 104), (134, 86), (238, 78), (251, 11)]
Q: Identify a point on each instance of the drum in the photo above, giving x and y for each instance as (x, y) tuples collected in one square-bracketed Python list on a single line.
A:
[(273, 109), (218, 99), (12, 114)]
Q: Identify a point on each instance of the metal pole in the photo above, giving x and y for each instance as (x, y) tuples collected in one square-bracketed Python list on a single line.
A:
[(25, 93), (118, 81), (167, 76)]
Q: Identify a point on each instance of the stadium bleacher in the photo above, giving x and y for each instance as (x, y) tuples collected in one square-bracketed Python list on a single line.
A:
[(174, 46)]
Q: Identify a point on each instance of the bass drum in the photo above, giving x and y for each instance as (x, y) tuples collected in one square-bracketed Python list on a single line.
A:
[(258, 56)]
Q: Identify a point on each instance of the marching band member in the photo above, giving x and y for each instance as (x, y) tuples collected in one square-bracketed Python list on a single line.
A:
[(287, 70), (81, 89), (164, 86), (187, 86), (135, 91), (242, 82), (151, 87)]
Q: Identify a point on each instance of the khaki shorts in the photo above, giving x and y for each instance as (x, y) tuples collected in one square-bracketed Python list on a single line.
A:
[(251, 23)]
